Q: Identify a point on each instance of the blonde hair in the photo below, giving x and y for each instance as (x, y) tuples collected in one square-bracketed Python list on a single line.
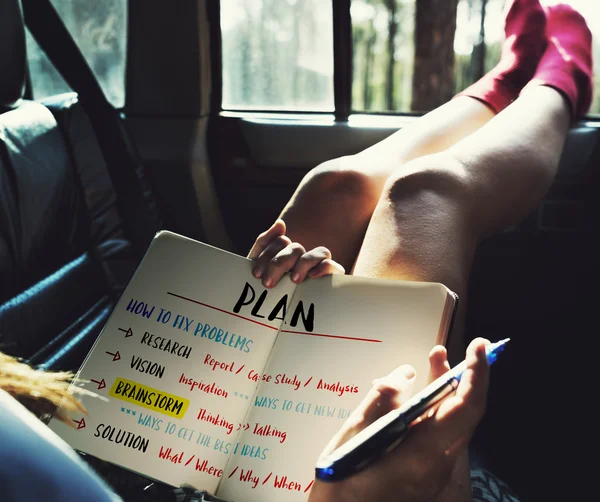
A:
[(44, 393)]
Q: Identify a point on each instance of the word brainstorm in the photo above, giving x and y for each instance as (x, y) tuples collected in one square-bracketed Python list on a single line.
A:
[(152, 399)]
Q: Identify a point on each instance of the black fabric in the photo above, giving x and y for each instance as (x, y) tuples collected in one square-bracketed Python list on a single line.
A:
[(12, 54), (137, 207), (55, 292), (485, 487), (86, 156), (34, 318), (54, 323), (42, 214)]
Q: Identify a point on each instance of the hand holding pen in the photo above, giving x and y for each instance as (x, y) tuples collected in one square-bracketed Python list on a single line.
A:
[(423, 464)]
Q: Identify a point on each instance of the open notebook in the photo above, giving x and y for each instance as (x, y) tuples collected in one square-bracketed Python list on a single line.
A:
[(208, 379)]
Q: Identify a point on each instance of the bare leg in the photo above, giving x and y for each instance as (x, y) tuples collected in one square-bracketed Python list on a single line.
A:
[(333, 204), (435, 210)]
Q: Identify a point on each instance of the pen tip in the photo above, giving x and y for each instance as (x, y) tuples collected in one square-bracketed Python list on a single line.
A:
[(495, 349), (500, 344)]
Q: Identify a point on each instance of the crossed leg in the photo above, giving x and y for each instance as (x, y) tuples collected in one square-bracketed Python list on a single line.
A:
[(435, 210)]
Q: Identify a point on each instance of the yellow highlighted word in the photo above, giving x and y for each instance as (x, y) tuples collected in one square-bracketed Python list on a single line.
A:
[(153, 399)]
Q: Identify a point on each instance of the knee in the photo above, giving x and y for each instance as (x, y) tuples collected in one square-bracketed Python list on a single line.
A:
[(340, 179), (439, 177)]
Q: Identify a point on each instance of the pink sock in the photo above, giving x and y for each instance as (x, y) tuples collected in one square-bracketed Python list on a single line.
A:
[(525, 41), (567, 63)]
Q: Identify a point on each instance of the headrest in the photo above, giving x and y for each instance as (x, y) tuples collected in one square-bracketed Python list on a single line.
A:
[(12, 53)]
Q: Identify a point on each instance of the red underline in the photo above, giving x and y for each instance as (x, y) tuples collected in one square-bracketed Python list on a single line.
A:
[(331, 336), (273, 327)]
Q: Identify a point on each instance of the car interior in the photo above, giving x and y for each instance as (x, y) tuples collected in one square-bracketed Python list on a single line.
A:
[(88, 175)]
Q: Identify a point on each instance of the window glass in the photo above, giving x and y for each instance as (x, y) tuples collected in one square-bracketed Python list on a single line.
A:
[(277, 54), (383, 46), (478, 39), (45, 80), (384, 49), (100, 31)]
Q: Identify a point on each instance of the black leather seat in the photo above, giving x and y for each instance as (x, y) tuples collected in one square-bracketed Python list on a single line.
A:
[(64, 255)]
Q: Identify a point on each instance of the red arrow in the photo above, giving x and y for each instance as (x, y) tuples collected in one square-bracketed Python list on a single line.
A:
[(128, 332), (80, 423), (116, 355), (101, 383)]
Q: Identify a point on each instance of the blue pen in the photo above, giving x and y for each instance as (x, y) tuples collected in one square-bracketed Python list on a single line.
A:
[(386, 433)]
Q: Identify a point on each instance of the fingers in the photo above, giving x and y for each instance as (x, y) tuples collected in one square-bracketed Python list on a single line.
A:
[(326, 267), (455, 421), (284, 261), (386, 394), (461, 414), (474, 383), (282, 256), (277, 229), (308, 261), (268, 254), (314, 263), (472, 390), (438, 362), (274, 255)]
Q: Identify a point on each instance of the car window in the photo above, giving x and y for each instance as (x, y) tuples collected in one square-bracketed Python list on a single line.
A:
[(100, 30)]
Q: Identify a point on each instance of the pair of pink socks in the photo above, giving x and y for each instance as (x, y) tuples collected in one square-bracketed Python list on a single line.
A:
[(551, 47)]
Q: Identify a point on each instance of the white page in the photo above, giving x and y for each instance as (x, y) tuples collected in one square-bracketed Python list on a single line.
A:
[(381, 324), (202, 284)]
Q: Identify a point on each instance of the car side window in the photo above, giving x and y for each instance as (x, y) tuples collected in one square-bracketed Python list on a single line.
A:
[(100, 31)]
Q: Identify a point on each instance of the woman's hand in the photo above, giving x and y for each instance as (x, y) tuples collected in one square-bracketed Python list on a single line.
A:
[(274, 254), (422, 467)]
